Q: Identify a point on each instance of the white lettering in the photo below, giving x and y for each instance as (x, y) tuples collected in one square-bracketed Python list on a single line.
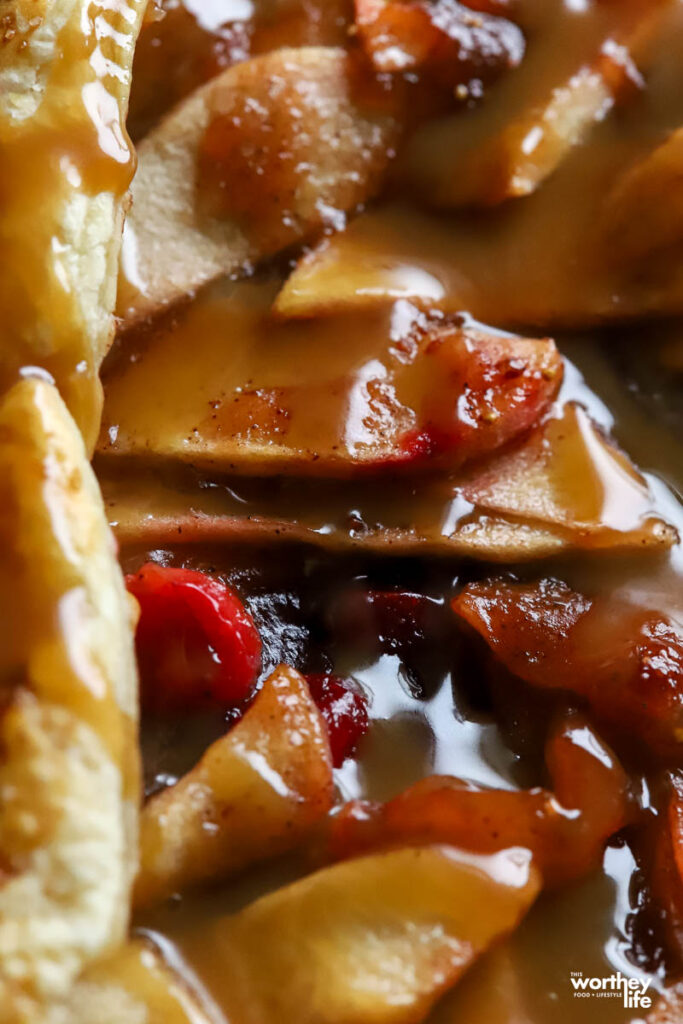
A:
[(634, 989)]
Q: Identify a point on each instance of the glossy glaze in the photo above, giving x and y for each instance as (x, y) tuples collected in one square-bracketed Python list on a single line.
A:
[(178, 494)]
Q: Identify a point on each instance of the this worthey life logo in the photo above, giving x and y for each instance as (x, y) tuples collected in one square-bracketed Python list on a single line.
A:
[(633, 991)]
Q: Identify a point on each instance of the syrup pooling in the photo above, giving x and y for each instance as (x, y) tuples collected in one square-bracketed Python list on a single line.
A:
[(561, 486), (475, 748)]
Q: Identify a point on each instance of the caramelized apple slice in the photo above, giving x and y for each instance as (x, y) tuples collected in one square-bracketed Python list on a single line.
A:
[(66, 166), (389, 395), (522, 504), (68, 751), (268, 153), (568, 475), (573, 75), (445, 42), (375, 939), (183, 48), (145, 510), (192, 44), (255, 793), (532, 145), (535, 265), (644, 212), (565, 830), (625, 662), (134, 984)]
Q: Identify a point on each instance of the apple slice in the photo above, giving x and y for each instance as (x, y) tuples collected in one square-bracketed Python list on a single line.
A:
[(568, 475), (444, 42), (572, 76), (377, 939), (533, 266), (335, 399), (255, 793), (565, 830), (521, 504), (625, 662), (270, 152), (146, 509), (643, 216), (192, 44)]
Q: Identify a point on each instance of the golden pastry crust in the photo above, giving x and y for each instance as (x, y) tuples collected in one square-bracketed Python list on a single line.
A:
[(68, 754), (65, 166), (134, 986)]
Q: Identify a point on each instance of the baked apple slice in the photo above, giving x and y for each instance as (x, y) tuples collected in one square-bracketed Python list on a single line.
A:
[(570, 476), (643, 216), (66, 166), (564, 830), (255, 793), (69, 758), (375, 939), (528, 266), (391, 394), (268, 153), (185, 48), (624, 661), (574, 73), (566, 487), (443, 43)]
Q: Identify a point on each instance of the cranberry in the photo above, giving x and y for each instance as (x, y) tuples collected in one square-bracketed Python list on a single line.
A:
[(196, 643), (345, 711)]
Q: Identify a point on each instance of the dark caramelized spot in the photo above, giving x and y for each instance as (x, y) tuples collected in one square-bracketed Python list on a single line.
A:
[(474, 391)]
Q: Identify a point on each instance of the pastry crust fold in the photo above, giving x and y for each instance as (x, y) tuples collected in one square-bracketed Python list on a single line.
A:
[(65, 167), (69, 775)]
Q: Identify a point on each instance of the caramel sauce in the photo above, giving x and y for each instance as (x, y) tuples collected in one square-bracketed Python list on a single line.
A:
[(541, 261), (588, 927), (286, 397), (535, 261), (323, 398)]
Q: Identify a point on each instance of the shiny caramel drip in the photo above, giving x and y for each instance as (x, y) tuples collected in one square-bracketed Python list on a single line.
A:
[(65, 165)]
